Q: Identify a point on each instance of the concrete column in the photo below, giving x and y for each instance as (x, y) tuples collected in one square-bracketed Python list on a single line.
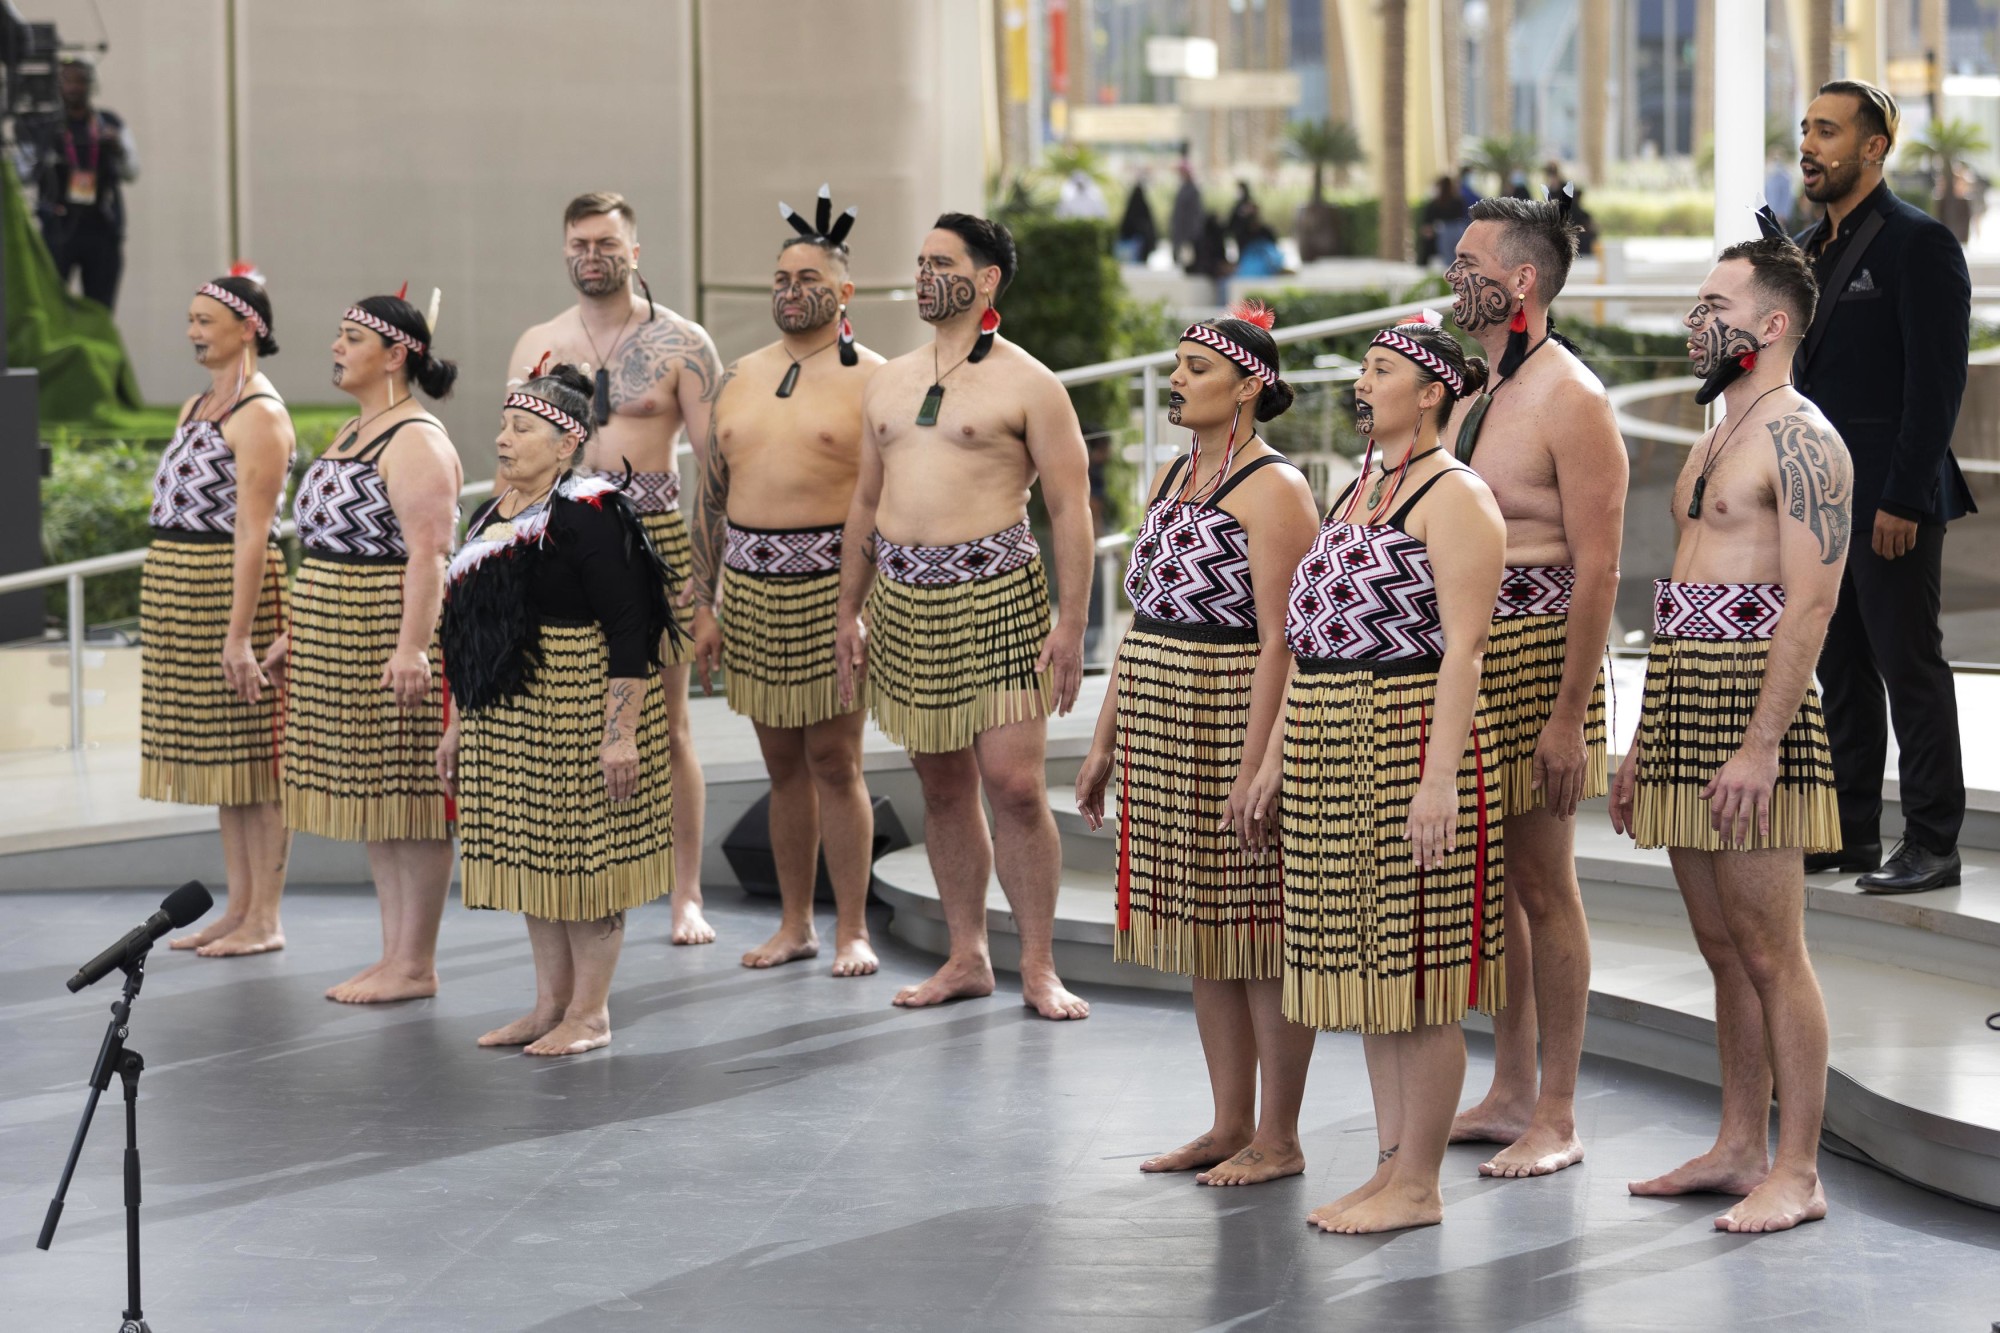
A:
[(1933, 22), (1499, 85), (1812, 27), (1392, 167), (1339, 101), (1866, 42), (1425, 92), (895, 124), (1594, 78), (1704, 73), (1452, 72), (1739, 100), (1362, 38)]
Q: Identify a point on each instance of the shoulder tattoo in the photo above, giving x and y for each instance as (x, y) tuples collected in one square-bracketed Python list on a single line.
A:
[(1815, 482), (658, 349)]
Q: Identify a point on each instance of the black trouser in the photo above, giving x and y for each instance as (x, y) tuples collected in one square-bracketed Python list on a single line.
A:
[(83, 239), (1885, 636)]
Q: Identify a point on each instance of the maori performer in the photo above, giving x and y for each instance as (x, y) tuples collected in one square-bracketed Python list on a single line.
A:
[(784, 445), (959, 661), (1391, 831), (1731, 771), (212, 594), (376, 514), (652, 372), (1544, 439), (553, 630), (1199, 680)]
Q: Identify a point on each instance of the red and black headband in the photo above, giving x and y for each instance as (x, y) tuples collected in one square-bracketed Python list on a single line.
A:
[(356, 315), (1250, 312), (545, 409), (1402, 343), (241, 308)]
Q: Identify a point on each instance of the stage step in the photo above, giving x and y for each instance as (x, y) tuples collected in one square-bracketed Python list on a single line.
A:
[(1915, 1075)]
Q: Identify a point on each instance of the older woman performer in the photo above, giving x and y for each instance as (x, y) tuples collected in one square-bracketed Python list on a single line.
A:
[(553, 631), (375, 516), (213, 595), (1391, 819), (1197, 688)]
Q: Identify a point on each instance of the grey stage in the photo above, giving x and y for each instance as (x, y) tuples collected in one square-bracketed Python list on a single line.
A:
[(786, 1151)]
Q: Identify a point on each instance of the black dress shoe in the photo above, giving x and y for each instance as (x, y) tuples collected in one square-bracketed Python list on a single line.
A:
[(1912, 869), (1853, 859)]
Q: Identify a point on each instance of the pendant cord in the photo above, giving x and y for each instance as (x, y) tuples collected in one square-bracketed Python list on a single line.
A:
[(1715, 451), (801, 360)]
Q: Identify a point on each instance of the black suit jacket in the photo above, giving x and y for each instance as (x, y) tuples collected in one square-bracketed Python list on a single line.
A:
[(1889, 367)]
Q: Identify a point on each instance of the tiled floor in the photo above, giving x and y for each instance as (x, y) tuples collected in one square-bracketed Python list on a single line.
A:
[(785, 1151)]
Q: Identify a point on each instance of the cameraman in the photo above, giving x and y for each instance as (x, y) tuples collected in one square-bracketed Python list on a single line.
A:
[(81, 160)]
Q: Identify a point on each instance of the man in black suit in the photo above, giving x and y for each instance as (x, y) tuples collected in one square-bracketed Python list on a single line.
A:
[(1885, 360)]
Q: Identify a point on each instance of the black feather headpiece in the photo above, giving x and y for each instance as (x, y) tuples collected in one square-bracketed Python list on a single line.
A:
[(825, 230), (1769, 224)]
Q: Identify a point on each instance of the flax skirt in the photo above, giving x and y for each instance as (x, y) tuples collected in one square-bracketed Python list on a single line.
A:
[(779, 648), (198, 743), (1523, 675), (357, 767), (1371, 944), (947, 663), (669, 532), (536, 832), (1191, 900), (1700, 694)]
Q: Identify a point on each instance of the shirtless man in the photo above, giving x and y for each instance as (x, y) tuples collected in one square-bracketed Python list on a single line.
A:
[(656, 372), (959, 661), (1544, 439), (784, 445), (1763, 511)]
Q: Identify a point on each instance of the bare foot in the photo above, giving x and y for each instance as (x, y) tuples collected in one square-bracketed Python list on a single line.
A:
[(1706, 1174), (1489, 1123), (690, 926), (381, 985), (1539, 1152), (787, 946), (1326, 1215), (1388, 1210), (523, 1030), (1047, 996), (365, 975), (245, 939), (208, 934), (1782, 1202), (1210, 1149), (954, 981), (856, 958), (1255, 1165), (573, 1036)]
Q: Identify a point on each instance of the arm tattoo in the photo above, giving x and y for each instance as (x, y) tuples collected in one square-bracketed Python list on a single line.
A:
[(618, 699), (655, 351), (1817, 482), (711, 503)]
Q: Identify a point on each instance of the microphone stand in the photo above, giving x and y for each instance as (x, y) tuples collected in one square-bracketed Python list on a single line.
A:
[(114, 1057)]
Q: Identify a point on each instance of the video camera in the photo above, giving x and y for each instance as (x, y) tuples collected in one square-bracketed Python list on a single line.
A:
[(29, 56)]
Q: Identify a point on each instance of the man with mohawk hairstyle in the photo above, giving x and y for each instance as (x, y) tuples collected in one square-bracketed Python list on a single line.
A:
[(958, 659), (653, 372), (1544, 440), (784, 448)]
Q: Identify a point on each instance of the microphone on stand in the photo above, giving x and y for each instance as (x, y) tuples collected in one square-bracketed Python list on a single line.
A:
[(182, 907)]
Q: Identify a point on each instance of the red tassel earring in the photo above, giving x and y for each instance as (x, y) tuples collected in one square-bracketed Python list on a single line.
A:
[(989, 324), (848, 356), (1519, 324)]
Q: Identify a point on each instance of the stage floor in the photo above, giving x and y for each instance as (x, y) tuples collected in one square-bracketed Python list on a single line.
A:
[(783, 1150)]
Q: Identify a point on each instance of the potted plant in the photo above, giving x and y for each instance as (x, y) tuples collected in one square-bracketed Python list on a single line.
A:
[(1323, 143)]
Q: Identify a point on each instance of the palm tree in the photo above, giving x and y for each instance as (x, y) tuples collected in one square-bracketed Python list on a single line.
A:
[(1324, 143), (1943, 147), (1503, 155)]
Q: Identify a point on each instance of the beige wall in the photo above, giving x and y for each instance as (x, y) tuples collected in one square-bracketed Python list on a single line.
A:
[(881, 98), (381, 140)]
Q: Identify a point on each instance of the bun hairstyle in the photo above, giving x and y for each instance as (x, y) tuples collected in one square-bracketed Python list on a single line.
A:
[(1471, 370), (428, 371), (1248, 324), (569, 389), (251, 292)]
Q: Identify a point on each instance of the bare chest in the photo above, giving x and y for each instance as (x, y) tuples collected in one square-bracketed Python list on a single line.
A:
[(816, 424), (966, 418)]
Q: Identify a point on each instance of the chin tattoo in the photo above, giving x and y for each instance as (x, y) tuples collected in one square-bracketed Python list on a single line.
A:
[(821, 308), (1723, 354), (952, 294), (617, 277), (1478, 302)]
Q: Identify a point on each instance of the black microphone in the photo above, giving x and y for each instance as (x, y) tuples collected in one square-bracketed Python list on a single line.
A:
[(181, 907)]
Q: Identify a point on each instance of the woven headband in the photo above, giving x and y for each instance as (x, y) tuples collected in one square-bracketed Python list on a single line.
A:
[(243, 309), (1229, 347), (1423, 356), (549, 412), (356, 315)]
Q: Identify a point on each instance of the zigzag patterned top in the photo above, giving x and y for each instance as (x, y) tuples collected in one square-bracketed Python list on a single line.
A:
[(194, 488), (1191, 562), (1535, 590), (1722, 611), (650, 492), (343, 506), (1364, 594), (962, 562), (769, 552)]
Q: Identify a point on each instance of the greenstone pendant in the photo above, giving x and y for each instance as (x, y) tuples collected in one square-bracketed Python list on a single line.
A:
[(927, 415)]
